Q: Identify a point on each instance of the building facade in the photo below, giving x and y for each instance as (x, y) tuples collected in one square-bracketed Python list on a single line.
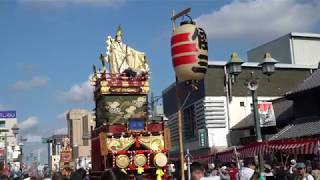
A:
[(54, 148), (10, 151), (217, 106), (293, 48), (7, 121), (80, 122)]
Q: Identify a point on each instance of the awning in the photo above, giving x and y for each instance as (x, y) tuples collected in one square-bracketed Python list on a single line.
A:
[(302, 146)]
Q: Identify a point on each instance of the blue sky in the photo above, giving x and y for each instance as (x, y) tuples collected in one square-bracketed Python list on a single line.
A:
[(47, 47)]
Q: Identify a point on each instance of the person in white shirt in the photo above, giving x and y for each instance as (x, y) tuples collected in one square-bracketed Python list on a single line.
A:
[(246, 172), (292, 168)]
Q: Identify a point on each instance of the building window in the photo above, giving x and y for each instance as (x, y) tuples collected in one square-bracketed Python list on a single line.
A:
[(241, 104), (252, 132), (190, 124), (4, 130), (2, 124)]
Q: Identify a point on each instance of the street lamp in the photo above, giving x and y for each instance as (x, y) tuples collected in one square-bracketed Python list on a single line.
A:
[(234, 65), (154, 100), (268, 64), (15, 130), (268, 68), (21, 154)]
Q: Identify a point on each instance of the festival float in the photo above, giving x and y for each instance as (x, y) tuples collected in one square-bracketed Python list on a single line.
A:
[(66, 164), (125, 139)]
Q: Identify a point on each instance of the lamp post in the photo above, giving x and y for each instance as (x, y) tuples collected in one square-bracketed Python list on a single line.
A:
[(21, 153), (154, 100), (268, 68), (21, 149), (15, 130), (188, 158)]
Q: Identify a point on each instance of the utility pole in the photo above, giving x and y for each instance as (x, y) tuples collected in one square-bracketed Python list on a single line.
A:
[(188, 158), (5, 149)]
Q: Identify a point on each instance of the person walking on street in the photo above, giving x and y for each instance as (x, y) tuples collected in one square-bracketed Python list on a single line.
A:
[(197, 171), (224, 173), (302, 173), (246, 172), (268, 174), (233, 171), (316, 172)]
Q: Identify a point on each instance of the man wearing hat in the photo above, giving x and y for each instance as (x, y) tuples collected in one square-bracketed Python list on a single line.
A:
[(302, 174)]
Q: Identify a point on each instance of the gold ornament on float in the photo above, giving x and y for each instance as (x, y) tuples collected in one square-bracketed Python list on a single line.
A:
[(152, 142), (115, 145), (140, 160), (157, 144), (160, 160), (122, 161)]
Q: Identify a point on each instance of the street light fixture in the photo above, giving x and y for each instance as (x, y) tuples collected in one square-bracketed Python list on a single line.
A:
[(15, 130), (268, 64), (21, 154), (234, 65), (268, 68)]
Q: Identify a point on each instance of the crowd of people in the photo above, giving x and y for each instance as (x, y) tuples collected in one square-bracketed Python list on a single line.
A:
[(249, 171)]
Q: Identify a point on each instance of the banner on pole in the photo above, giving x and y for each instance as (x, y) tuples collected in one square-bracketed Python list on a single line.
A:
[(1, 151), (266, 112)]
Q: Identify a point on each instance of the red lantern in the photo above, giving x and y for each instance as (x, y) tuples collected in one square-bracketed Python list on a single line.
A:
[(189, 50)]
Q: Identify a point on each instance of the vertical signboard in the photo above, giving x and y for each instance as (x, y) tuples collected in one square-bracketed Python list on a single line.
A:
[(266, 112), (202, 134), (167, 138)]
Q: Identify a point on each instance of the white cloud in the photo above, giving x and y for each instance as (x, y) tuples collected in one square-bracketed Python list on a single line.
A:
[(107, 3), (26, 67), (40, 150), (77, 93), (41, 3), (37, 81), (33, 138), (61, 131), (62, 116), (30, 122), (4, 107), (63, 3), (260, 19)]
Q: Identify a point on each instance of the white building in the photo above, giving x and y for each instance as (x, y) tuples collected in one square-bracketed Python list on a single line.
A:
[(7, 121), (211, 109), (54, 148), (293, 48), (11, 152)]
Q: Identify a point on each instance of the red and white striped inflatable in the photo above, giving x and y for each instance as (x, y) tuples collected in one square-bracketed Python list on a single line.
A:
[(189, 50)]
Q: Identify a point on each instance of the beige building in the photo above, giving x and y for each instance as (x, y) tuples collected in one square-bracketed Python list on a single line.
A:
[(80, 122), (6, 131)]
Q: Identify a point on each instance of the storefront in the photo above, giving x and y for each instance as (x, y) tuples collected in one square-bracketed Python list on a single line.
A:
[(306, 146)]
